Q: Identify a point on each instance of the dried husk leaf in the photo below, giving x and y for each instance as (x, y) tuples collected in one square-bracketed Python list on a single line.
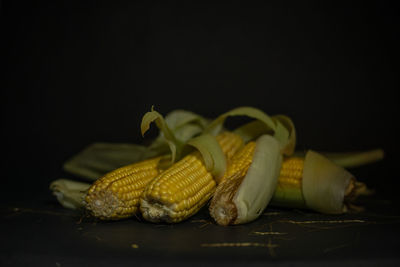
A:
[(70, 194)]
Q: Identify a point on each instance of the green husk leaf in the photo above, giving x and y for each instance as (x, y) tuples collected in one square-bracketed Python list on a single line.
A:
[(290, 145), (259, 184), (324, 184), (184, 124), (252, 130), (70, 194), (153, 116), (179, 118), (241, 111), (351, 159), (212, 153), (281, 134), (355, 159), (276, 125)]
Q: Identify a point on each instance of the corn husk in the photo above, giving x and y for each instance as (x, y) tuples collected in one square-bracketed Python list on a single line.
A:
[(174, 144), (70, 194), (351, 159), (356, 158), (281, 127), (99, 158), (324, 184), (212, 154), (258, 186)]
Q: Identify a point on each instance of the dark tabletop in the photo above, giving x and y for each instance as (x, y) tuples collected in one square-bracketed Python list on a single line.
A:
[(41, 232)]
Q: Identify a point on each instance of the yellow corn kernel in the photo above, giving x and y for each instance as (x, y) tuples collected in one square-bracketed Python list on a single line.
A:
[(291, 172), (240, 162), (181, 190), (116, 195), (288, 192)]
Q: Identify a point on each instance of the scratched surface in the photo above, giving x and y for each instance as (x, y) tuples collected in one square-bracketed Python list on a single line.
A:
[(46, 234)]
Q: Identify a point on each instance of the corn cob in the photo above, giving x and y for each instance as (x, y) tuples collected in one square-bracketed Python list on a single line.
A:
[(289, 191), (116, 194), (181, 190)]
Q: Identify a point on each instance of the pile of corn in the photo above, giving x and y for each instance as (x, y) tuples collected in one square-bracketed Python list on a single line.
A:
[(237, 175)]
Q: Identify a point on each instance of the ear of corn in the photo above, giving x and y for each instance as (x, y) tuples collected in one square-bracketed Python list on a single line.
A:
[(249, 183), (319, 182), (302, 183), (116, 194), (173, 195), (314, 182), (222, 208), (181, 190)]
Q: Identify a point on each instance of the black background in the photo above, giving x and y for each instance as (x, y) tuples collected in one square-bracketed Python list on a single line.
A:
[(80, 73), (74, 74)]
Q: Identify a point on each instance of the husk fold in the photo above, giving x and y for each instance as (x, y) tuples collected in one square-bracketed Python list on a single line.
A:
[(280, 127), (324, 184), (258, 186), (212, 153), (174, 144)]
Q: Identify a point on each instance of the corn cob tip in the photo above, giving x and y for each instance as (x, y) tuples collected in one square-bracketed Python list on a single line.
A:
[(155, 212), (222, 208), (224, 214), (103, 204), (354, 190), (116, 195)]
